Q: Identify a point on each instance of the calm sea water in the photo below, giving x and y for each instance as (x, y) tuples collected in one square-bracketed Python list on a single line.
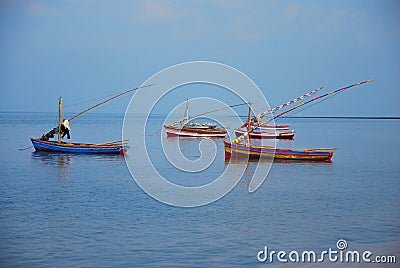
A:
[(84, 210)]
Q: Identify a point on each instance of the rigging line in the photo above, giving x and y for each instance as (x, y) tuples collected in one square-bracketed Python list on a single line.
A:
[(198, 115), (107, 100), (300, 110), (307, 107), (316, 98), (216, 110), (273, 110), (87, 101)]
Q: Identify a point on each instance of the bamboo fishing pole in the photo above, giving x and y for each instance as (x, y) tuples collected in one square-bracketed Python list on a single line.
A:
[(273, 110), (107, 100), (319, 97), (248, 123), (337, 91)]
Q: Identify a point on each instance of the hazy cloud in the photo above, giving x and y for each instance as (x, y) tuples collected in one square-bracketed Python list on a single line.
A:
[(158, 11), (291, 11)]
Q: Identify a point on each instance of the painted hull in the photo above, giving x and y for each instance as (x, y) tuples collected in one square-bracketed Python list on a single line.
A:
[(257, 152), (51, 146), (196, 133), (287, 135)]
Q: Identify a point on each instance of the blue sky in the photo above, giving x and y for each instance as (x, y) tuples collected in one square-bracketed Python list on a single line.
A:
[(82, 50)]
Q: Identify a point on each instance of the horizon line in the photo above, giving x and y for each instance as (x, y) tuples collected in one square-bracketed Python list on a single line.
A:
[(289, 117)]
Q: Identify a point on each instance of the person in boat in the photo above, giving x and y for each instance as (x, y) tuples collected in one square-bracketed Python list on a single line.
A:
[(49, 135), (65, 128)]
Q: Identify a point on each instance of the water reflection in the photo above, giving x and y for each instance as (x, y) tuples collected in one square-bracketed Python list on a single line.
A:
[(190, 146), (64, 162), (52, 159), (63, 159)]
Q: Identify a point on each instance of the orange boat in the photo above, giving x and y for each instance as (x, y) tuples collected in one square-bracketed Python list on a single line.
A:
[(234, 150)]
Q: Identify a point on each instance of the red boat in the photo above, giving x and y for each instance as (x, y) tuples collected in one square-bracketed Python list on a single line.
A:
[(267, 127), (197, 130)]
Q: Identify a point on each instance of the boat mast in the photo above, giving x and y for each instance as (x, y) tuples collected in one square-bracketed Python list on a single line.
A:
[(248, 125), (185, 115), (59, 120)]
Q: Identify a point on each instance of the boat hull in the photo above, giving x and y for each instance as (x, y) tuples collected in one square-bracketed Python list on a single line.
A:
[(257, 152), (196, 133), (86, 148), (284, 135)]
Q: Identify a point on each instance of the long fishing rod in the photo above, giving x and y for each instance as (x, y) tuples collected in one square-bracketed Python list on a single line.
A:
[(308, 106), (335, 92), (290, 102), (107, 100), (322, 96), (273, 110)]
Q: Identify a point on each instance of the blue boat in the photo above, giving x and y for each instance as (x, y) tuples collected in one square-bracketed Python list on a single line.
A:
[(45, 144), (87, 148)]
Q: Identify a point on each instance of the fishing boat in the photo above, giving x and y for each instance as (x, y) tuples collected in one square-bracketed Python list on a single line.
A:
[(205, 130), (88, 148), (237, 149), (259, 127), (261, 133), (45, 144), (185, 128)]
